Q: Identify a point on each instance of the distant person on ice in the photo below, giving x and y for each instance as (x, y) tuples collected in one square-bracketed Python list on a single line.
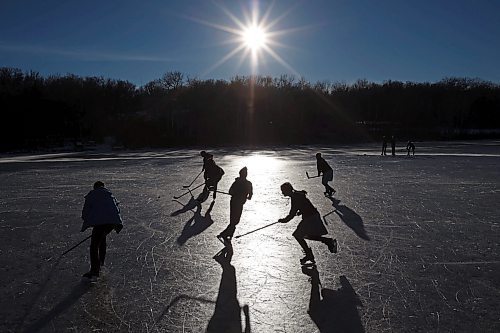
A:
[(311, 227), (327, 171), (410, 146), (393, 145), (241, 191), (213, 174), (384, 146), (101, 212)]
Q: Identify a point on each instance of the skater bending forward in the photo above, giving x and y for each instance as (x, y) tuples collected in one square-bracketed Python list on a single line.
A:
[(311, 227), (240, 191), (101, 212)]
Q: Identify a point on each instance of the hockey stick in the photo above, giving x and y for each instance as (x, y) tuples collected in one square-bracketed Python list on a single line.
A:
[(257, 229), (309, 177), (324, 216), (187, 186), (189, 191), (223, 192), (75, 246)]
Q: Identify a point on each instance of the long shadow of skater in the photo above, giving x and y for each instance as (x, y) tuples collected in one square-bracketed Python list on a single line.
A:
[(43, 285), (196, 225), (333, 310), (78, 291), (227, 314), (178, 299), (350, 218), (192, 204)]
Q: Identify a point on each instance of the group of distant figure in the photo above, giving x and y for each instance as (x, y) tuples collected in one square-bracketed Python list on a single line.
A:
[(101, 211), (410, 147)]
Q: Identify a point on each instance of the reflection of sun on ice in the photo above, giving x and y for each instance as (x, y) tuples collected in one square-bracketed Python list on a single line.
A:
[(266, 207), (264, 173), (261, 165)]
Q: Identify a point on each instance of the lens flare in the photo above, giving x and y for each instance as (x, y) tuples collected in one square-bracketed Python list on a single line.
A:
[(254, 35), (254, 38)]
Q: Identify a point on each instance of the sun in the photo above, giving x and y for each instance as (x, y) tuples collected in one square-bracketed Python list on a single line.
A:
[(254, 38)]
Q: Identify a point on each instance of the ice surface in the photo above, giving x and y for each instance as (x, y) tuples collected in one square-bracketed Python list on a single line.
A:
[(419, 243)]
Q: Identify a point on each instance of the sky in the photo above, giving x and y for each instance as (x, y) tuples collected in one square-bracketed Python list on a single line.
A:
[(319, 40)]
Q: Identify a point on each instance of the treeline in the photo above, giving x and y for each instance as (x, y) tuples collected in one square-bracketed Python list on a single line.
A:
[(174, 110)]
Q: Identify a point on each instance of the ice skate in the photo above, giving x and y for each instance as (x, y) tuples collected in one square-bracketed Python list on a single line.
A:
[(311, 271), (226, 240), (330, 192), (308, 258), (221, 239)]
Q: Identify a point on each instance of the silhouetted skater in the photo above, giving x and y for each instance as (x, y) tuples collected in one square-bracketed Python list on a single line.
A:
[(393, 145), (410, 146), (327, 171), (206, 157), (384, 146), (101, 212), (311, 227), (213, 174), (240, 191)]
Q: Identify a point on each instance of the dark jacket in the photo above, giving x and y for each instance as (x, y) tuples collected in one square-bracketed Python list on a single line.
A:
[(300, 206), (100, 208), (241, 190), (322, 165), (213, 171), (206, 159)]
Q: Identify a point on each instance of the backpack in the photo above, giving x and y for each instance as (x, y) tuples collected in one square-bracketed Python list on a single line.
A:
[(219, 172)]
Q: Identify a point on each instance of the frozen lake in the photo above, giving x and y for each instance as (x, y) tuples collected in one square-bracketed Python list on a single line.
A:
[(419, 243)]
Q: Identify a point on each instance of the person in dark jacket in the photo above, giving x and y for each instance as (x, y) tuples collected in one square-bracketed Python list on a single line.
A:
[(206, 157), (311, 227), (213, 174), (101, 212), (240, 191), (410, 146), (384, 146), (327, 171), (393, 145)]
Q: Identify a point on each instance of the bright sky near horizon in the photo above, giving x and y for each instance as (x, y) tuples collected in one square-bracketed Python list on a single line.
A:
[(334, 40)]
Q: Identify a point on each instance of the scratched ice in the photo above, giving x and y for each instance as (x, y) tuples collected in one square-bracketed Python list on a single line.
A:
[(418, 242)]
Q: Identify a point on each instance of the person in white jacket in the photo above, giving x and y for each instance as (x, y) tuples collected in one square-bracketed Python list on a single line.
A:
[(101, 212)]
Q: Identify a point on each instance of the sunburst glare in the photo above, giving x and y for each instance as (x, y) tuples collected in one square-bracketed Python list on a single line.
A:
[(254, 37)]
